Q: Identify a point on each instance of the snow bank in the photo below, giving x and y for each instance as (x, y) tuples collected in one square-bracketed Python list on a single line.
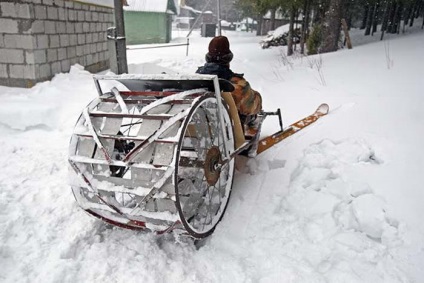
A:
[(48, 104)]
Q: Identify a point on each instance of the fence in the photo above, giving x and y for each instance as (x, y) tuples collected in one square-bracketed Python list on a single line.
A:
[(163, 46)]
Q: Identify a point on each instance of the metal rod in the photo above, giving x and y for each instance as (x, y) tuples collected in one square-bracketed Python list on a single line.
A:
[(94, 134), (280, 118), (220, 112), (218, 15), (277, 113), (158, 46)]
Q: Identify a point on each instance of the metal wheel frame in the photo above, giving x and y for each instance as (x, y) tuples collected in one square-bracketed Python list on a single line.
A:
[(130, 178), (215, 176)]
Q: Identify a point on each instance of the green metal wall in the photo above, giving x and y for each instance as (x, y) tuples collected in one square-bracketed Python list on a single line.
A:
[(147, 27)]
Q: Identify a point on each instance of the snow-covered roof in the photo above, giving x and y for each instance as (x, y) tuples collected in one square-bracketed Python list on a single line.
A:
[(248, 20), (278, 15), (158, 6), (106, 3), (190, 9), (225, 23)]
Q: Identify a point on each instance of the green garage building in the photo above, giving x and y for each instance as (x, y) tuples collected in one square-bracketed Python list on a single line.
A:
[(149, 21)]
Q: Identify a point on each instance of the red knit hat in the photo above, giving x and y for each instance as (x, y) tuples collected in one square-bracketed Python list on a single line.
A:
[(219, 50)]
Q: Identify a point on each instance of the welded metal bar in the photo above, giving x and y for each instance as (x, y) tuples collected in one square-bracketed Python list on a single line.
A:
[(95, 136)]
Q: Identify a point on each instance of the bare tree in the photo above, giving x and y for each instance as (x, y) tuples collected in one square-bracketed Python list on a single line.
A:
[(291, 30), (305, 25)]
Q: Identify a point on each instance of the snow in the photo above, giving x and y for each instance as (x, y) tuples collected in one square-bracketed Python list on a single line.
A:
[(280, 30), (341, 201), (107, 3), (147, 6), (279, 15)]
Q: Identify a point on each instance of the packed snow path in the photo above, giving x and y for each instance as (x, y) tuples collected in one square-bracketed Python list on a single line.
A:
[(339, 202)]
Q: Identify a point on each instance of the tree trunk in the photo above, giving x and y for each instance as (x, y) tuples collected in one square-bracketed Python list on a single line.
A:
[(365, 16), (385, 19), (376, 17), (422, 26), (305, 23), (398, 18), (333, 25), (273, 11), (260, 23), (348, 42), (296, 16), (369, 20), (391, 26), (308, 18), (290, 39), (407, 15), (420, 9), (413, 12), (319, 15), (347, 14)]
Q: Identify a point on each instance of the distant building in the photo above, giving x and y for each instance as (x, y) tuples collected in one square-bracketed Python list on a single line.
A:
[(246, 24), (189, 17), (186, 17), (280, 19), (149, 21)]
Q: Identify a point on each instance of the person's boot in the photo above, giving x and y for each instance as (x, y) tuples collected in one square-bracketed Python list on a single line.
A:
[(253, 132)]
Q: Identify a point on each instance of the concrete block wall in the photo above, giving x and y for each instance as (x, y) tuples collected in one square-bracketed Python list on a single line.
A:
[(40, 38)]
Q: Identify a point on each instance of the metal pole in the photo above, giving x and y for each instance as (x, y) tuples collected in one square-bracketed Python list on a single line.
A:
[(121, 50), (218, 15)]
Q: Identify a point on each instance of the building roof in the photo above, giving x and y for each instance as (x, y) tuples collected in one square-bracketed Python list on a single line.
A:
[(158, 6), (279, 15), (106, 3), (185, 7)]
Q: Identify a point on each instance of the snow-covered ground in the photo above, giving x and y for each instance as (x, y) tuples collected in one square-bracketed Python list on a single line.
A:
[(339, 202)]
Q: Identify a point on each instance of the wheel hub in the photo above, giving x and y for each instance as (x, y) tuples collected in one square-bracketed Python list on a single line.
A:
[(212, 168)]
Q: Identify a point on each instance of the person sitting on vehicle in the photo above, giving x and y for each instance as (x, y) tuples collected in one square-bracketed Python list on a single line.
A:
[(247, 100)]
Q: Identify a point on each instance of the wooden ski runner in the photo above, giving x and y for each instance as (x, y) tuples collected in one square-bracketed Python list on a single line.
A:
[(270, 141)]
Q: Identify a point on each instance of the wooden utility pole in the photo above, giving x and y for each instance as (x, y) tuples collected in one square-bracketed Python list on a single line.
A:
[(121, 46)]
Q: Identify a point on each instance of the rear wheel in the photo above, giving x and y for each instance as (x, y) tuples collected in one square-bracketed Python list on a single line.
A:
[(202, 182)]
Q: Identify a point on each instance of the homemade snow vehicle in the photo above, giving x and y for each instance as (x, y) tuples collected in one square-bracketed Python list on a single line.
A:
[(158, 152)]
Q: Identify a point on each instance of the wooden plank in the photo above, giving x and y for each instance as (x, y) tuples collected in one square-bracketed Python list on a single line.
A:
[(269, 141)]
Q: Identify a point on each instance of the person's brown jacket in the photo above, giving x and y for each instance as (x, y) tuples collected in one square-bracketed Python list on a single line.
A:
[(248, 100)]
